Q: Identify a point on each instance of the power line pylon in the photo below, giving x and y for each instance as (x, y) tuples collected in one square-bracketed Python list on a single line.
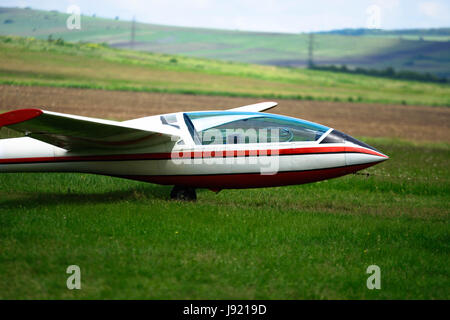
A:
[(311, 50), (133, 32)]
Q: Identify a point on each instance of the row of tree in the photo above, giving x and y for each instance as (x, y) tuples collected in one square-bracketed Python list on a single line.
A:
[(388, 72)]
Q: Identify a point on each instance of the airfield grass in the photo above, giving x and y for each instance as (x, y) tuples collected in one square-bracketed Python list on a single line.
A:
[(27, 61), (299, 242)]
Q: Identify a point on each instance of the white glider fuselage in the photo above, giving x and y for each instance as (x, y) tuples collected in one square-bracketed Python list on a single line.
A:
[(180, 158)]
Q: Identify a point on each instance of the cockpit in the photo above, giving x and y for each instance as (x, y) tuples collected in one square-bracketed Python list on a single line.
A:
[(219, 127)]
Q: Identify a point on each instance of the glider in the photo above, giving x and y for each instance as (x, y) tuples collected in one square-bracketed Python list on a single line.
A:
[(237, 148)]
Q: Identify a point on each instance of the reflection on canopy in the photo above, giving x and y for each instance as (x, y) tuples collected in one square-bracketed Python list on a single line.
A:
[(252, 127)]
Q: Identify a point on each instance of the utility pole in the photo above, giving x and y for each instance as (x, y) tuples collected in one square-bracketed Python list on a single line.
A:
[(311, 50), (133, 31)]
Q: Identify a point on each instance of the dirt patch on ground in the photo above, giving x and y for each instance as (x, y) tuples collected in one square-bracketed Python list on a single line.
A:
[(360, 119)]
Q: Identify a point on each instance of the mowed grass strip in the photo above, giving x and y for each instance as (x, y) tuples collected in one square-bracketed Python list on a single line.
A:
[(35, 62), (309, 241)]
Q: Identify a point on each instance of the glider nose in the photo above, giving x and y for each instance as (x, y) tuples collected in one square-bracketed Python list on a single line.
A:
[(356, 152), (360, 153), (363, 157)]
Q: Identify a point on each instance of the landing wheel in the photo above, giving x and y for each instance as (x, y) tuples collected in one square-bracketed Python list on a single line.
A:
[(183, 193)]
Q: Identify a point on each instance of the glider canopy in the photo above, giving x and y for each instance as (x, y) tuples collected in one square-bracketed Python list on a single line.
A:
[(225, 127)]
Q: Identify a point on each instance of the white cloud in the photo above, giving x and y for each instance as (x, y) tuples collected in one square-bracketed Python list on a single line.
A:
[(431, 9), (388, 4), (201, 4)]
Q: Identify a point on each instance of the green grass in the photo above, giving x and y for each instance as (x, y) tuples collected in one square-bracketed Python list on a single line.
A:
[(380, 51), (27, 61), (310, 241)]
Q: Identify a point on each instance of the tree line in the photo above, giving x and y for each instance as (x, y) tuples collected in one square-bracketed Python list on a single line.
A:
[(388, 72)]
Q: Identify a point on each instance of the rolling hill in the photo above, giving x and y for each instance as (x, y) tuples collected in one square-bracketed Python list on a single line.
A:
[(29, 61), (415, 50)]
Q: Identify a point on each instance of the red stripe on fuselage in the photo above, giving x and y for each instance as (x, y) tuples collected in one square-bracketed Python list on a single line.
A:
[(194, 154), (249, 180)]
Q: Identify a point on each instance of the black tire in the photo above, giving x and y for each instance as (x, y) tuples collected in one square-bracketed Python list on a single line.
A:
[(183, 193)]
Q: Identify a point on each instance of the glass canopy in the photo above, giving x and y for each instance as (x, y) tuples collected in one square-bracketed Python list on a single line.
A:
[(227, 127)]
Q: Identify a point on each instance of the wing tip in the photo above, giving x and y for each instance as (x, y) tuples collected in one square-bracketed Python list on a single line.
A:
[(17, 116), (257, 107), (272, 103)]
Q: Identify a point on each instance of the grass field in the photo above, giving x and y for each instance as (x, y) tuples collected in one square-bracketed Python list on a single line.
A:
[(310, 241), (27, 61), (401, 50)]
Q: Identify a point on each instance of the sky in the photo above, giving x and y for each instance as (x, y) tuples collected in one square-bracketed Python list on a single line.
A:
[(263, 15)]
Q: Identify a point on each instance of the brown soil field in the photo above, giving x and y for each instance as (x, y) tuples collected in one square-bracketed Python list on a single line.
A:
[(414, 123)]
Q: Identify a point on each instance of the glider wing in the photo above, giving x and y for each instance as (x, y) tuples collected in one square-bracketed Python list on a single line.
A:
[(80, 133), (258, 107)]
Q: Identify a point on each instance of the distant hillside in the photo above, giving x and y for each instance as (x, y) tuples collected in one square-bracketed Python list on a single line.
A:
[(436, 34), (415, 50), (27, 61)]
